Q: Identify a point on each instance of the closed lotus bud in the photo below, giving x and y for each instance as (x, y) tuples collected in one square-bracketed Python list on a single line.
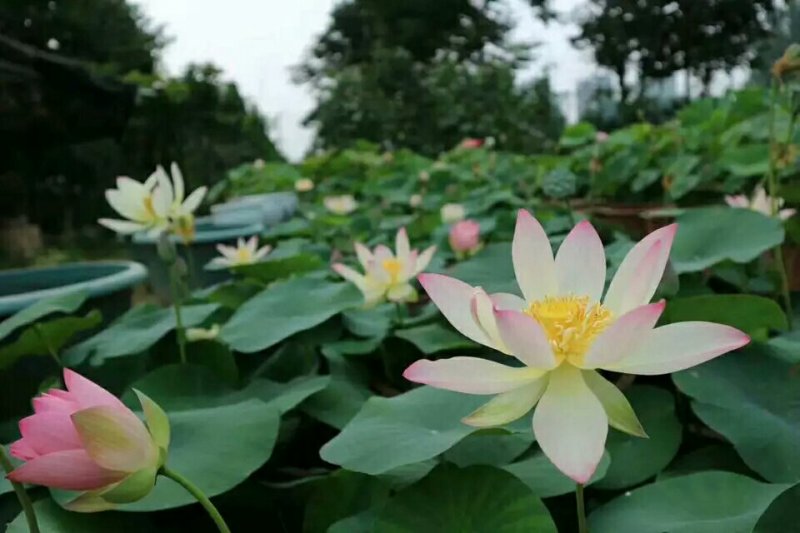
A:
[(424, 176), (415, 200), (471, 143), (465, 237), (303, 185), (100, 447)]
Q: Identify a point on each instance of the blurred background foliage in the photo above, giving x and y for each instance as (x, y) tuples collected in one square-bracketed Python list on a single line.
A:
[(83, 97)]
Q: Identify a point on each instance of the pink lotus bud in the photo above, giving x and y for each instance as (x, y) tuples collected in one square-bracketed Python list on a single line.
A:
[(86, 439), (471, 143), (601, 137), (465, 236)]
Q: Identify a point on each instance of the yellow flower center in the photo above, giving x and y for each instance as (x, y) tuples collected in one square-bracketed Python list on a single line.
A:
[(243, 255), (148, 206), (571, 324), (393, 267)]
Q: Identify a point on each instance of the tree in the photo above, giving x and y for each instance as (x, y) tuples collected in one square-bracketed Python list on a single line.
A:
[(661, 37), (424, 75)]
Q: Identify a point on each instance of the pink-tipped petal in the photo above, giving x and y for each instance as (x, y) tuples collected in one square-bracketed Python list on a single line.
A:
[(680, 346), (581, 263), (534, 266), (115, 440), (89, 394), (482, 309), (50, 432), (22, 450), (67, 470), (453, 297), (508, 406), (526, 339), (571, 425), (640, 273), (624, 336), (470, 375)]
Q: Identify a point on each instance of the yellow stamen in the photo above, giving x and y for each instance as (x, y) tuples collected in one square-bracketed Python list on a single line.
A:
[(393, 267), (243, 255), (148, 206), (571, 324)]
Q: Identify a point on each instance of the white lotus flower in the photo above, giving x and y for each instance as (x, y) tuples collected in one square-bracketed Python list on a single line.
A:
[(760, 202), (340, 205), (244, 253)]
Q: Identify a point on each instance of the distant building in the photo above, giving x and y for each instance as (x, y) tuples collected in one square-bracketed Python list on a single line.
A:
[(597, 96)]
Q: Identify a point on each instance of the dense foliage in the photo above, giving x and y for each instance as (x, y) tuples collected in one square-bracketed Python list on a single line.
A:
[(296, 415)]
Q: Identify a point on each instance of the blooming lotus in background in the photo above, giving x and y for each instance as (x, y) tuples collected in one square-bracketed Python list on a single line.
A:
[(340, 205), (244, 253), (203, 334), (387, 275), (452, 213), (465, 237), (304, 185), (415, 200), (600, 137), (563, 333), (760, 202), (471, 143), (85, 439), (156, 205)]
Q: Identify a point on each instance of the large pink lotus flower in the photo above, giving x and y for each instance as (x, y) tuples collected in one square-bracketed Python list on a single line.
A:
[(465, 237), (85, 439), (563, 333), (387, 275)]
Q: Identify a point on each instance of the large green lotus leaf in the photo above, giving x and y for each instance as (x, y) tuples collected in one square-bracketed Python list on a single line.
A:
[(491, 269), (344, 395), (285, 309), (44, 336), (545, 480), (781, 516), (273, 269), (134, 332), (746, 161), (66, 303), (479, 499), (752, 399), (53, 519), (710, 235), (392, 432), (353, 492), (635, 459), (490, 447), (755, 315), (373, 322), (432, 338), (707, 502)]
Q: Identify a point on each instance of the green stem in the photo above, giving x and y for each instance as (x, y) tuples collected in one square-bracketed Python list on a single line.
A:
[(180, 331), (22, 496), (190, 264), (43, 336), (192, 489), (772, 185), (399, 314), (581, 509)]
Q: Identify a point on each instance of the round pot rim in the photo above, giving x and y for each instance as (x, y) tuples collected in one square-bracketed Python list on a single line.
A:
[(126, 274)]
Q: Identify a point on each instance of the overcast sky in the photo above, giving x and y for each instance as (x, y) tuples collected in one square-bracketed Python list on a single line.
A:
[(255, 42)]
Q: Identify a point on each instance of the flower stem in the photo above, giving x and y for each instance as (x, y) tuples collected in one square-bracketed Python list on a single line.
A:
[(22, 496), (582, 528), (43, 336), (192, 489), (180, 331), (772, 185), (399, 314)]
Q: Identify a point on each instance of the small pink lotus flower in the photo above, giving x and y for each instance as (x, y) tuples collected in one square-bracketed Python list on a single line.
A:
[(85, 439), (465, 237), (760, 202), (601, 137), (563, 332), (470, 143)]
